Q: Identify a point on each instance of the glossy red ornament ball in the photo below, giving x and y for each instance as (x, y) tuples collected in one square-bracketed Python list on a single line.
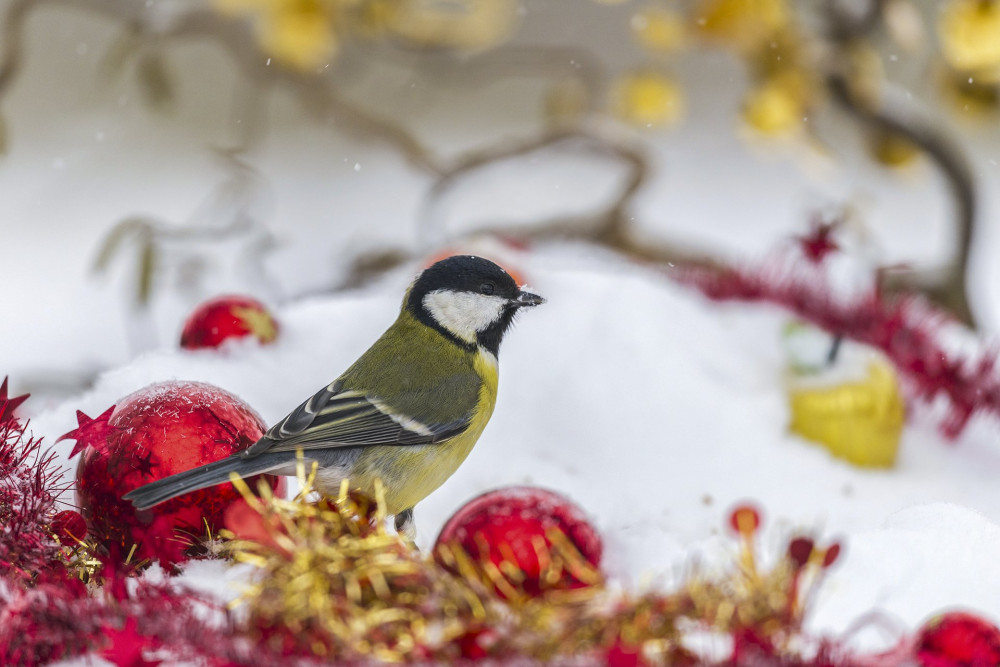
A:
[(155, 432), (227, 317), (958, 639), (512, 528), (69, 527)]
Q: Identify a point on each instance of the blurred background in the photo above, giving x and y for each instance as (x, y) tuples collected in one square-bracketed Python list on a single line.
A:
[(315, 154), (158, 153)]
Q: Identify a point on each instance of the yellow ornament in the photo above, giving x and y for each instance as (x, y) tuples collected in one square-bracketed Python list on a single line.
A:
[(300, 34), (648, 99), (777, 105), (860, 421), (893, 150), (970, 35), (743, 24), (971, 95), (659, 30), (454, 24)]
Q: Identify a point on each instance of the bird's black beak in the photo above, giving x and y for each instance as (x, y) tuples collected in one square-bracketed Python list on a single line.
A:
[(526, 299)]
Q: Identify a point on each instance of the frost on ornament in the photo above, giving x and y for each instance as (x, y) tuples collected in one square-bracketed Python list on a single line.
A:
[(227, 317), (155, 432), (524, 541)]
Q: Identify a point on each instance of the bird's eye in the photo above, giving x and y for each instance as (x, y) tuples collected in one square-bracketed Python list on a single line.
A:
[(487, 288)]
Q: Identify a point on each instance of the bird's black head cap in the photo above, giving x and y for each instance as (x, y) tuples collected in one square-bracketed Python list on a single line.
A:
[(464, 273), (452, 284)]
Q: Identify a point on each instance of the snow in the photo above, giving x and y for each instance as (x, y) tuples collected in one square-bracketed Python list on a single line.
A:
[(653, 409), (656, 412)]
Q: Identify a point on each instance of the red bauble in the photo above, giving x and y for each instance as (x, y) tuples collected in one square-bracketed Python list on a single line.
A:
[(226, 317), (958, 639), (69, 527), (624, 655), (506, 527), (158, 431)]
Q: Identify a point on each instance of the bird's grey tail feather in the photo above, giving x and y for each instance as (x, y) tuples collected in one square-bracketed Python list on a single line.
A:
[(204, 476)]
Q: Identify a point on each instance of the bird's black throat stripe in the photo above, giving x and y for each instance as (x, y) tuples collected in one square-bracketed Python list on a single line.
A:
[(491, 337)]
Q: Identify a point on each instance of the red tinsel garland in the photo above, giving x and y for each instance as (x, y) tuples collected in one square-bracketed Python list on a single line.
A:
[(906, 329), (29, 484), (48, 613)]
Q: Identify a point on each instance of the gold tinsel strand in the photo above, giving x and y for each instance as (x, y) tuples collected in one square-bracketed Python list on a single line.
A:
[(333, 581)]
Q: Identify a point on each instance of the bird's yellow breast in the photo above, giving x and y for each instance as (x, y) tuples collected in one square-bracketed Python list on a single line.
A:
[(410, 473)]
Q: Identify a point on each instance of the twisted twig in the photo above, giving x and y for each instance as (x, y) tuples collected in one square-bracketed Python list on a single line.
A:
[(948, 290)]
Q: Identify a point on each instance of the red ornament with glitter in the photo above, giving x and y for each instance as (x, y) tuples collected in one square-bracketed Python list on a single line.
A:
[(958, 639), (155, 432), (227, 317), (524, 540)]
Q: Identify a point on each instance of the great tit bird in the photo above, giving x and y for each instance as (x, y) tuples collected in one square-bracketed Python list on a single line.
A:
[(408, 411)]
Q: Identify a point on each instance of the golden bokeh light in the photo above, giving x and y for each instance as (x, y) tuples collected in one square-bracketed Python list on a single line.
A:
[(648, 98), (659, 30)]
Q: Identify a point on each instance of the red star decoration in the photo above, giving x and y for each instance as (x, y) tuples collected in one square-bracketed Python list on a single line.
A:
[(145, 465), (9, 405), (92, 432), (161, 542), (819, 243), (127, 646)]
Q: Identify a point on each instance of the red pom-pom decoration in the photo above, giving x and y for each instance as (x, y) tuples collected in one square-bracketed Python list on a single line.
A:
[(227, 317), (525, 540), (69, 527), (958, 639), (745, 520), (831, 555), (155, 432), (799, 551)]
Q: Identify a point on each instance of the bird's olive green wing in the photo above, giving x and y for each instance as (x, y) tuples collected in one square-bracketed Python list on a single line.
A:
[(334, 417)]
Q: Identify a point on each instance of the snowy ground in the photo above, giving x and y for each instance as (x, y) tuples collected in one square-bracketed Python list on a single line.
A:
[(667, 412), (650, 407)]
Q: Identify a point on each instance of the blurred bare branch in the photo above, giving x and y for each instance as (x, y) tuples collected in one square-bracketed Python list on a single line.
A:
[(230, 202), (947, 287), (612, 227), (149, 30), (12, 44), (607, 221)]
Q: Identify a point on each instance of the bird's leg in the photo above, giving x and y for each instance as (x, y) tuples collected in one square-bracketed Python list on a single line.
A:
[(405, 525)]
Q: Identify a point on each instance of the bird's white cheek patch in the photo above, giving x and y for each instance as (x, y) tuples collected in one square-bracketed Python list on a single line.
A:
[(464, 313)]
